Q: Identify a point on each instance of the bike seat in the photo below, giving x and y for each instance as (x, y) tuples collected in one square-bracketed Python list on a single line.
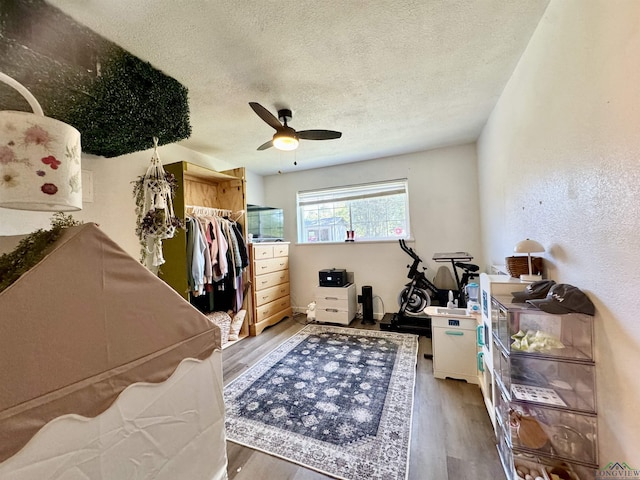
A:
[(470, 267)]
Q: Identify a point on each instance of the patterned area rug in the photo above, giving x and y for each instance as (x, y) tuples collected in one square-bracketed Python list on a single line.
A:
[(337, 400)]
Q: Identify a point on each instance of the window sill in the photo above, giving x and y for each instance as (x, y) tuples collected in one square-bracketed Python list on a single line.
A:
[(356, 242)]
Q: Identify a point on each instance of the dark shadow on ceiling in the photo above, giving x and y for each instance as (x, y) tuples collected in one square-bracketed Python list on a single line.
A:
[(117, 101)]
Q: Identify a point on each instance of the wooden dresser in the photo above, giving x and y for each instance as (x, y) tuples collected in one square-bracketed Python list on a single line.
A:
[(269, 264)]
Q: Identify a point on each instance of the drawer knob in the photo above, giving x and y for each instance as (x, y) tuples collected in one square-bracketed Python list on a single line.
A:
[(454, 332)]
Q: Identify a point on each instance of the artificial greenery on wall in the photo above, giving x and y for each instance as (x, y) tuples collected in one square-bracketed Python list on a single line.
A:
[(117, 101), (128, 104), (32, 249)]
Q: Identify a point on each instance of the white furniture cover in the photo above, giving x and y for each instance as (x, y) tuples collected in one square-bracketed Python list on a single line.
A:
[(107, 373)]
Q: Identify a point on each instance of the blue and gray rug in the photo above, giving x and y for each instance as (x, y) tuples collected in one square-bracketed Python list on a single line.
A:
[(337, 400)]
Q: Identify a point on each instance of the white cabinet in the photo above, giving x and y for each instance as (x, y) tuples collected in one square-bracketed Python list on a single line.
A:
[(336, 304), (454, 347)]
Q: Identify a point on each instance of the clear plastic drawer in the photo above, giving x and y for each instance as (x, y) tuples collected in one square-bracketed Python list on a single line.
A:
[(560, 470), (500, 322), (559, 433), (553, 382), (504, 449), (526, 467), (533, 331), (502, 409), (502, 366), (549, 468)]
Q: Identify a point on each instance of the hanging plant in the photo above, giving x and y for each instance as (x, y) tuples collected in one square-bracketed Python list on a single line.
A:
[(154, 192)]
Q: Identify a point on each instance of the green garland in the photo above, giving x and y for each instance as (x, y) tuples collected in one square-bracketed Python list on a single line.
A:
[(32, 249)]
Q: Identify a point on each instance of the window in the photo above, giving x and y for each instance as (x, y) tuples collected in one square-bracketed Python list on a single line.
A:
[(374, 211)]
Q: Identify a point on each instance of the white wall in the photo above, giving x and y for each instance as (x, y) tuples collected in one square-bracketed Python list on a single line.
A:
[(558, 162), (443, 197), (255, 188), (113, 206)]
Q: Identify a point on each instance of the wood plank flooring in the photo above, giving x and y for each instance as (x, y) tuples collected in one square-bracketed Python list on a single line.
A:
[(451, 436)]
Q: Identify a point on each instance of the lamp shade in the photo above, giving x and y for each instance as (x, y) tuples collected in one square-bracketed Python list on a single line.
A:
[(39, 160), (528, 246)]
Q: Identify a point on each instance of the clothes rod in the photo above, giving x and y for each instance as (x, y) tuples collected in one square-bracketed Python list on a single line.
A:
[(217, 212)]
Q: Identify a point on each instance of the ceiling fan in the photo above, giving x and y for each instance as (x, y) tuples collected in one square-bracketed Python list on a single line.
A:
[(286, 138)]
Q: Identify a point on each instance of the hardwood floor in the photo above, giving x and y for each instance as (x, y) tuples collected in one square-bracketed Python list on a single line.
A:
[(451, 436)]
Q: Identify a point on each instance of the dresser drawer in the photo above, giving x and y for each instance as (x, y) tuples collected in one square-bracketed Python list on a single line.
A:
[(269, 280), (270, 294), (270, 265), (281, 250), (337, 298), (333, 294), (333, 303), (271, 308), (332, 315), (262, 251)]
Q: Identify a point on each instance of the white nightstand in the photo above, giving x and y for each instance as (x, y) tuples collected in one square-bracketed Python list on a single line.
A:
[(454, 345), (336, 304)]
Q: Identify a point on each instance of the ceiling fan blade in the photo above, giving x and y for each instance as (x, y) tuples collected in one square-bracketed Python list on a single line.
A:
[(266, 145), (266, 115), (319, 134)]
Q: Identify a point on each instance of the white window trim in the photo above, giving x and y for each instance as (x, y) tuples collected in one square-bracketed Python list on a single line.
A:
[(350, 193)]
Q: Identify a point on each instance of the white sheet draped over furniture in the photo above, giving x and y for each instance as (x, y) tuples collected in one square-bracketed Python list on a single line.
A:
[(107, 373)]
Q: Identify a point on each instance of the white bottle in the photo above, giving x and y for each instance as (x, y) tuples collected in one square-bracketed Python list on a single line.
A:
[(450, 303)]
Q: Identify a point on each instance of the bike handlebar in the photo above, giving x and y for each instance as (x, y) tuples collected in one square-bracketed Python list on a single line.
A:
[(409, 250), (413, 269)]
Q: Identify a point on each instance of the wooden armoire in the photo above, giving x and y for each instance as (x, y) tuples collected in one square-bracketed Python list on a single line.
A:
[(202, 187)]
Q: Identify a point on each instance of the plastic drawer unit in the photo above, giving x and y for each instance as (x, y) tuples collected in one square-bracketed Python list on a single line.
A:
[(546, 391)]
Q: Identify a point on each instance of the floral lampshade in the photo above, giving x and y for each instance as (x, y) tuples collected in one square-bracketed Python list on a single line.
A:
[(39, 160)]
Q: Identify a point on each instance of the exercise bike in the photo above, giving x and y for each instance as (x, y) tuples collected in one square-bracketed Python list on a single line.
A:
[(413, 299), (417, 295)]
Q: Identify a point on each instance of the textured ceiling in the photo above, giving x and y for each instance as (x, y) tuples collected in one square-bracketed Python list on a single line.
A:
[(394, 76)]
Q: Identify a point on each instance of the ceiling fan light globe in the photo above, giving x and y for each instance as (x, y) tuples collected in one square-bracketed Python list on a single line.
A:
[(285, 142)]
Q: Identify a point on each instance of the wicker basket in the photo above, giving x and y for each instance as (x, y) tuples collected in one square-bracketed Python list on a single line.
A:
[(222, 320), (517, 266)]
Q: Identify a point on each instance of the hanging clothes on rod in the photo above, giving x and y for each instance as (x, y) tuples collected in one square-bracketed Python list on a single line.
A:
[(218, 258)]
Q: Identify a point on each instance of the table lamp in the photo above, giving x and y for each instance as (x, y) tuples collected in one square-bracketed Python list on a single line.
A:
[(529, 246)]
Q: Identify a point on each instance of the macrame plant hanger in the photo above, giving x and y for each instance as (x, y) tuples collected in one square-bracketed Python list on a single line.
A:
[(157, 210)]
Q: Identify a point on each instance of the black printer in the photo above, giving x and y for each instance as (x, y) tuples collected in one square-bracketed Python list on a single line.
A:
[(333, 277)]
